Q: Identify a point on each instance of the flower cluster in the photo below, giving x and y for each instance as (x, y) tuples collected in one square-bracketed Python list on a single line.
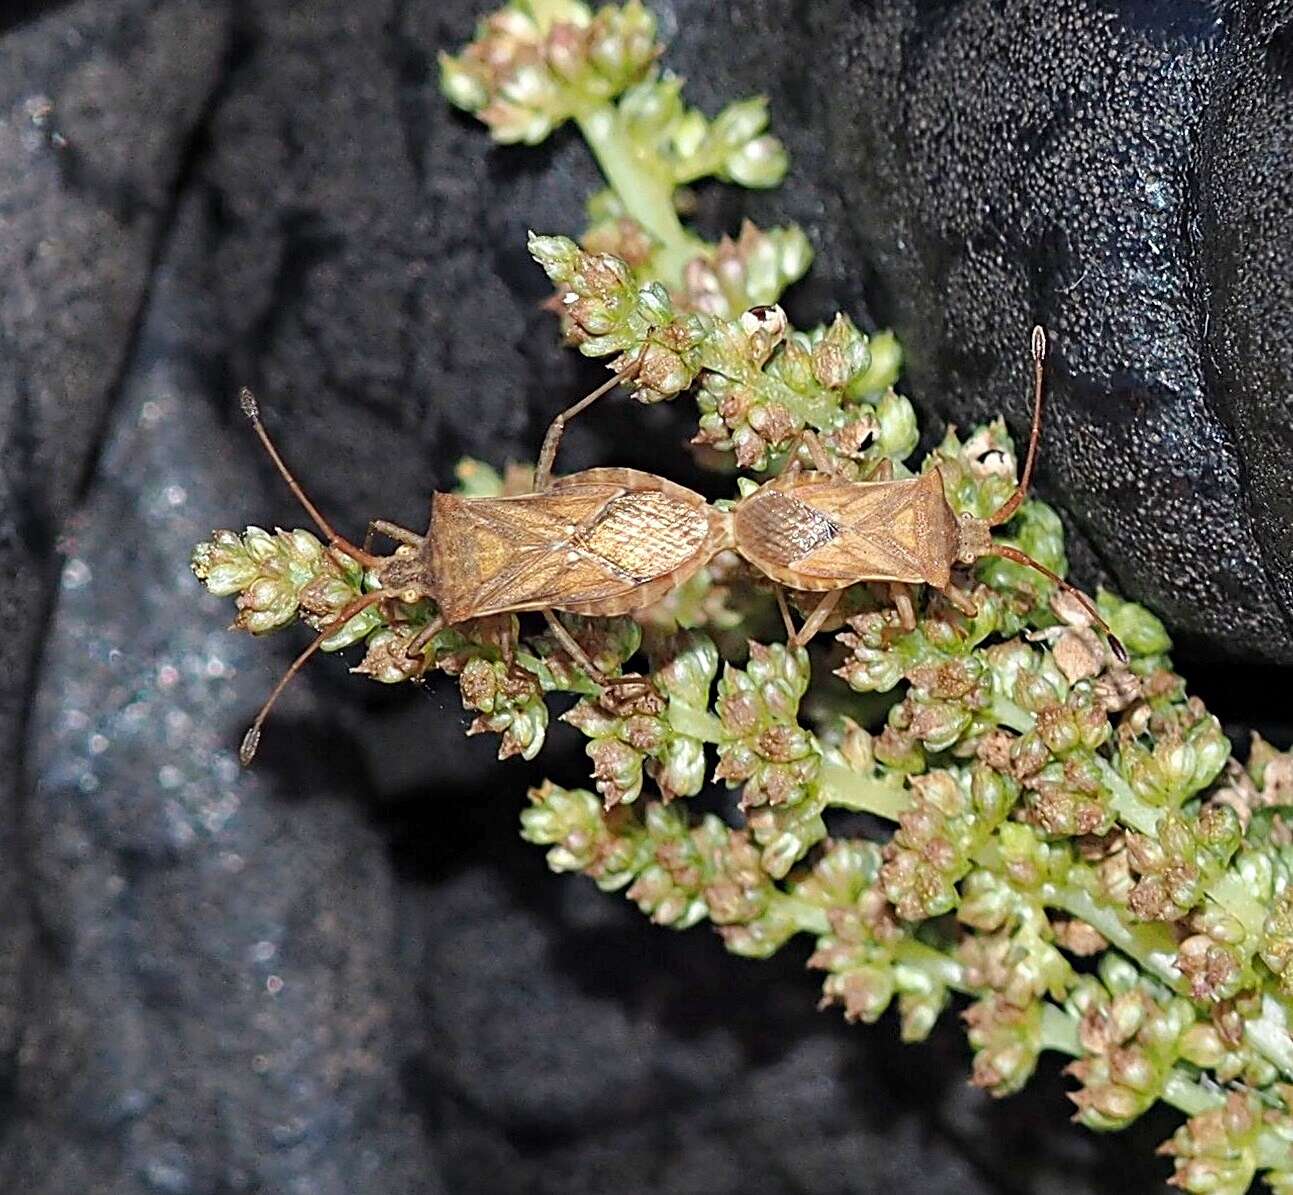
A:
[(1075, 859)]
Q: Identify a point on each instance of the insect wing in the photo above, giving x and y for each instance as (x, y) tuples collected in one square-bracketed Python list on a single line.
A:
[(581, 545), (836, 531)]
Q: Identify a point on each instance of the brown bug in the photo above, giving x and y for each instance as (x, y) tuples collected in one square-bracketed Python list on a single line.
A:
[(601, 542), (608, 541), (815, 531)]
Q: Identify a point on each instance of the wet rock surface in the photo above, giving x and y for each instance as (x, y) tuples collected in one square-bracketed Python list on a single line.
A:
[(343, 969)]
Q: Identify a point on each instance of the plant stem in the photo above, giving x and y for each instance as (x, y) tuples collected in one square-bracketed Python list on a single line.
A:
[(845, 789), (1152, 946), (695, 723), (1231, 893), (1269, 1034), (1005, 712), (1131, 810), (931, 962), (643, 187), (1060, 1031), (1188, 1095)]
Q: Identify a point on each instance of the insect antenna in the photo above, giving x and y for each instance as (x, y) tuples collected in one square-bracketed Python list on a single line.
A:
[(251, 740), (1006, 552), (1007, 509), (251, 408)]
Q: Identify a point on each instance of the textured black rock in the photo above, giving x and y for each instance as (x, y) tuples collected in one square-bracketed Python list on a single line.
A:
[(342, 972)]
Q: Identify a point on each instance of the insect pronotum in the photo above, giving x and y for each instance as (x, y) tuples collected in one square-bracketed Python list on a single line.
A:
[(608, 541)]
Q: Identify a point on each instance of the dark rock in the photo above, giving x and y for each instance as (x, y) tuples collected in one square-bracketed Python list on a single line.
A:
[(198, 196), (1065, 165)]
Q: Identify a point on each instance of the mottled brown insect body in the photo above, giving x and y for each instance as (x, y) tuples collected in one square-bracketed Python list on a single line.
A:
[(603, 542), (811, 531)]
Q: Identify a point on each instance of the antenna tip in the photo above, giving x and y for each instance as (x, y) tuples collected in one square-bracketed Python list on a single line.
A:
[(1039, 344), (1116, 646), (250, 741), (250, 407)]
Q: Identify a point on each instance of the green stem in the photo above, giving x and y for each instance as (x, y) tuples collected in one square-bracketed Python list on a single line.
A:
[(1131, 810), (1269, 1034), (810, 918), (1189, 1095), (695, 723), (1005, 712), (643, 188), (1151, 945), (845, 789), (1273, 1151), (1232, 894), (1060, 1031), (932, 963)]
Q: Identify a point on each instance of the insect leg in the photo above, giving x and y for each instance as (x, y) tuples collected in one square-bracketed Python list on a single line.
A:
[(417, 645), (807, 438), (900, 594), (961, 600), (821, 462), (251, 409), (1007, 509), (548, 453), (251, 740), (825, 608), (784, 607), (401, 535), (1009, 553), (571, 647)]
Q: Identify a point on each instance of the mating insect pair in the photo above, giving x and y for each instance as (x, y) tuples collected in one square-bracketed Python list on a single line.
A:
[(608, 541)]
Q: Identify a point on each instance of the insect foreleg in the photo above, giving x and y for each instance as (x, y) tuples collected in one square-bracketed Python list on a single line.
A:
[(548, 453), (961, 600), (416, 649)]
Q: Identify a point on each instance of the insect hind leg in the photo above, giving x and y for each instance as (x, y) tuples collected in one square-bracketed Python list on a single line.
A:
[(570, 645)]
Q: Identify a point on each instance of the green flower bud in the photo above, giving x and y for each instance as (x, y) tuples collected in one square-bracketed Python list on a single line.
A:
[(896, 419), (759, 163), (461, 85), (764, 748), (1215, 1152), (276, 576), (741, 121), (1141, 633), (651, 107), (879, 377), (1007, 1042), (610, 850)]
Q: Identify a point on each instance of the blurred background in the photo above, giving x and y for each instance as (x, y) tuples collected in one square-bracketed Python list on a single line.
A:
[(342, 968)]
